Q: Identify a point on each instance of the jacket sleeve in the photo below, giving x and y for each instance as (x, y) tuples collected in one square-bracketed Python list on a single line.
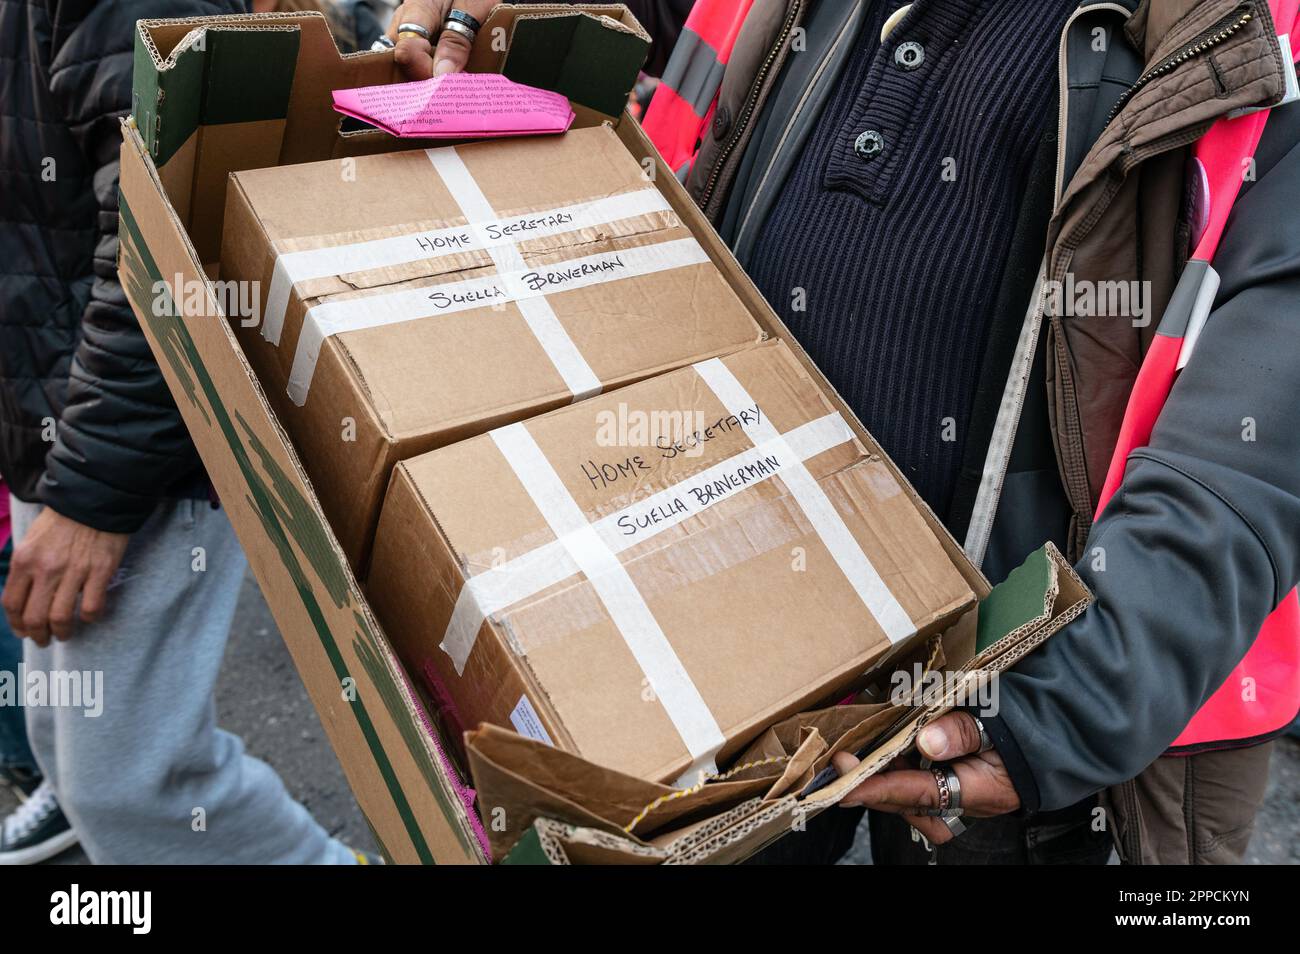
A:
[(1201, 542), (664, 21), (120, 442)]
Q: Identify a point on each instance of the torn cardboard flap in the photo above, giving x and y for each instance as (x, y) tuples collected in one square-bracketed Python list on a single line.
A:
[(727, 826), (664, 593)]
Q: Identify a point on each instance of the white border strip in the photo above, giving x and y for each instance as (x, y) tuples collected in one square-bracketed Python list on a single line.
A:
[(503, 585), (667, 676), (431, 244), (821, 513)]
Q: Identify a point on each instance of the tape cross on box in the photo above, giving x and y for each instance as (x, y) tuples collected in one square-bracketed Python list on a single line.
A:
[(514, 283), (592, 549)]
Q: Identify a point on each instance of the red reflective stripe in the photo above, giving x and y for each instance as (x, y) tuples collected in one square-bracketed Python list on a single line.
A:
[(672, 126), (670, 122), (1154, 381), (718, 23), (1223, 150), (1262, 693), (1270, 674)]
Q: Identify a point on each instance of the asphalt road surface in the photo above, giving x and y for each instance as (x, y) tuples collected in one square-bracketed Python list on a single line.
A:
[(261, 698)]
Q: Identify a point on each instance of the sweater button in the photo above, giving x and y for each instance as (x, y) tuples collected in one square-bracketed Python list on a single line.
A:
[(909, 55), (869, 145)]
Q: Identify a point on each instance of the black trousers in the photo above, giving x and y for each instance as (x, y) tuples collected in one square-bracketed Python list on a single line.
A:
[(1070, 836), (1076, 835)]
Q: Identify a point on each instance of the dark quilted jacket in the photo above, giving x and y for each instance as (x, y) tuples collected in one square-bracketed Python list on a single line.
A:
[(87, 425)]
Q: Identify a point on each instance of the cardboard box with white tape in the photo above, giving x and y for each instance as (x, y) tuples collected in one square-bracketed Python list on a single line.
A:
[(650, 578), (217, 95), (416, 298)]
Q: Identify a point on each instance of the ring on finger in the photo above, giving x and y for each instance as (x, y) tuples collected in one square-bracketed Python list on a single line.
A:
[(455, 26), (954, 786), (406, 31), (468, 19), (985, 742), (955, 825), (949, 792)]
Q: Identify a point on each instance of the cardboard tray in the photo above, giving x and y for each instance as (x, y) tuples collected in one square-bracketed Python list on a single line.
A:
[(213, 95)]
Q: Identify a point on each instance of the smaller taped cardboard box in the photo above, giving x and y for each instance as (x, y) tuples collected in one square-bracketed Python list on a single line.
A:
[(416, 298), (650, 578)]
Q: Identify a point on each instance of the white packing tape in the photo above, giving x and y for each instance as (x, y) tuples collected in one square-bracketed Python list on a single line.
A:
[(429, 244), (668, 678), (817, 507), (505, 584), (527, 285), (540, 317)]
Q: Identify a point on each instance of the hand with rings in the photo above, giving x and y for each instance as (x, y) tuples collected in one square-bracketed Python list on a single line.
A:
[(432, 37), (968, 780)]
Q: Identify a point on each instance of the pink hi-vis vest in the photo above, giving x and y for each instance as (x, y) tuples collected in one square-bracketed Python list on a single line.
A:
[(682, 107), (1262, 694)]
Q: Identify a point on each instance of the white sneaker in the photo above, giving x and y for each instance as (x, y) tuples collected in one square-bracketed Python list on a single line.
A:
[(36, 830)]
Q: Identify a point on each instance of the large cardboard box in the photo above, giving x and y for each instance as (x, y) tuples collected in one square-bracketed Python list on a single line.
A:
[(650, 578), (413, 299), (217, 95)]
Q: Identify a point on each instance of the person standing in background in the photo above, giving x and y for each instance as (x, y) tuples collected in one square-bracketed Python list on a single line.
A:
[(110, 502)]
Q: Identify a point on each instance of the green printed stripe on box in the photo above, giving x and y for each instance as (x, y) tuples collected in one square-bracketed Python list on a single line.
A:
[(1016, 600), (271, 507)]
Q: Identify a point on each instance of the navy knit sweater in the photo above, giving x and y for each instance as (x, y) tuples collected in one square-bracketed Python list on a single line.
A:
[(884, 252)]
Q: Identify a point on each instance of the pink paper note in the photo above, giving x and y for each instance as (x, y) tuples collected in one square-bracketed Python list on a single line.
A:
[(457, 106)]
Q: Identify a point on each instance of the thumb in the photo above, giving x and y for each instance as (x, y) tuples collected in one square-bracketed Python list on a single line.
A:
[(451, 55), (950, 737)]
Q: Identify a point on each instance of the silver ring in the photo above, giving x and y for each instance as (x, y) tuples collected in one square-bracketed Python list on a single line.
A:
[(466, 18), (954, 787), (955, 825), (455, 26), (413, 28), (941, 782), (985, 742), (383, 43)]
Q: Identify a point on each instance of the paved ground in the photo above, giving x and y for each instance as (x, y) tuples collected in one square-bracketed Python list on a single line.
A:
[(261, 698)]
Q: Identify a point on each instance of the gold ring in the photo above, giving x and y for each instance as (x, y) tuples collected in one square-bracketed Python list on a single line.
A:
[(409, 35)]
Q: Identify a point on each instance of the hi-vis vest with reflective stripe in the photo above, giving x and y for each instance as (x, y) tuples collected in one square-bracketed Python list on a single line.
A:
[(1260, 696), (683, 105)]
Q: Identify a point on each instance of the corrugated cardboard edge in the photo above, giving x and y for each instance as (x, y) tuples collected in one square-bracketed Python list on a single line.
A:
[(393, 766)]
